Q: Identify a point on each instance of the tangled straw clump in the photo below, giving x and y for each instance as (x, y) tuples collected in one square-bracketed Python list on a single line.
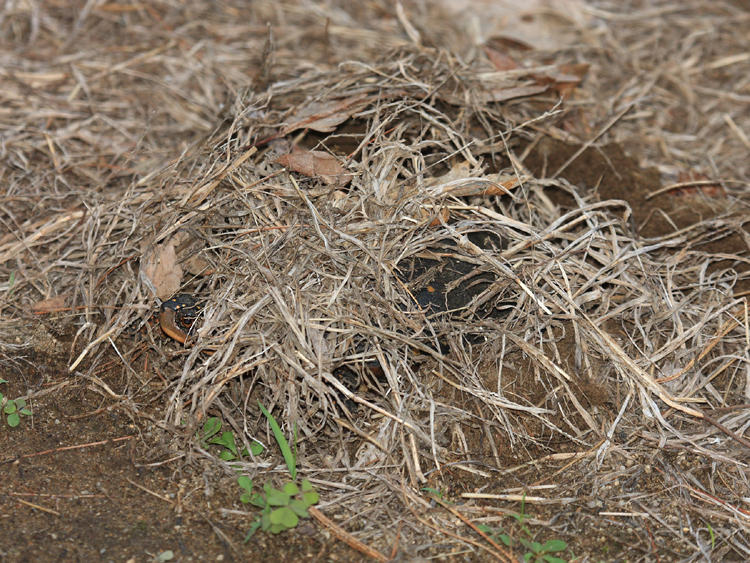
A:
[(301, 277)]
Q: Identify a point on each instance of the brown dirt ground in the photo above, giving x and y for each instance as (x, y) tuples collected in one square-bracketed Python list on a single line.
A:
[(80, 483)]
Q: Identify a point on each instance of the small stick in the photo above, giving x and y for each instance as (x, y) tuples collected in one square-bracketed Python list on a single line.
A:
[(89, 347), (43, 509), (55, 495), (345, 536), (157, 495), (501, 550), (64, 448)]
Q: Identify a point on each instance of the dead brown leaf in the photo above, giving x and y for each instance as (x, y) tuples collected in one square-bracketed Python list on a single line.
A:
[(505, 43), (499, 59), (565, 79), (318, 164), (162, 269), (326, 116)]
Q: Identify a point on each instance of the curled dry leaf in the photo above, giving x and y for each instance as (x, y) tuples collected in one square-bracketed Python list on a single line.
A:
[(197, 266), (316, 164), (565, 78), (188, 248), (503, 43), (326, 116), (500, 60), (532, 24), (162, 270)]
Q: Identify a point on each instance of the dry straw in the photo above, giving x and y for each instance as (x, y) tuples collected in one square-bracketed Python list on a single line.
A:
[(585, 345)]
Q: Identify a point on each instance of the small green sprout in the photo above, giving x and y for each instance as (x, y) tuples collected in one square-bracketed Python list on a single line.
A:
[(496, 534), (280, 509), (210, 435), (543, 552), (712, 535), (13, 409)]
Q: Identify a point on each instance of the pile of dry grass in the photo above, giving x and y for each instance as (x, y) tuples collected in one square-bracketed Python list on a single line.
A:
[(588, 348), (301, 277)]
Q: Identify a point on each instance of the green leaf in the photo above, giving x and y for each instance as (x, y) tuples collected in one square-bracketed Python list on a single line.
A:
[(3, 381), (256, 448), (253, 528), (20, 403), (249, 497), (245, 482), (25, 412), (307, 486), (286, 451), (14, 420), (226, 455), (435, 492), (257, 499), (553, 559), (211, 427), (1, 397), (10, 407), (227, 440), (275, 497), (299, 508), (284, 516), (291, 488), (265, 522), (496, 533), (310, 498), (551, 546)]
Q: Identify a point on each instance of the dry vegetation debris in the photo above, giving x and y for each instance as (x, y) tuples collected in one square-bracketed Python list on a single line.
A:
[(575, 351)]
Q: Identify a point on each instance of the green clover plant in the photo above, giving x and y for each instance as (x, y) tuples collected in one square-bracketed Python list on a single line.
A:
[(13, 409), (280, 509)]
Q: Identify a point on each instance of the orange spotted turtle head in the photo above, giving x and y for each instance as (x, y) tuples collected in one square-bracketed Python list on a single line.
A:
[(178, 314)]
